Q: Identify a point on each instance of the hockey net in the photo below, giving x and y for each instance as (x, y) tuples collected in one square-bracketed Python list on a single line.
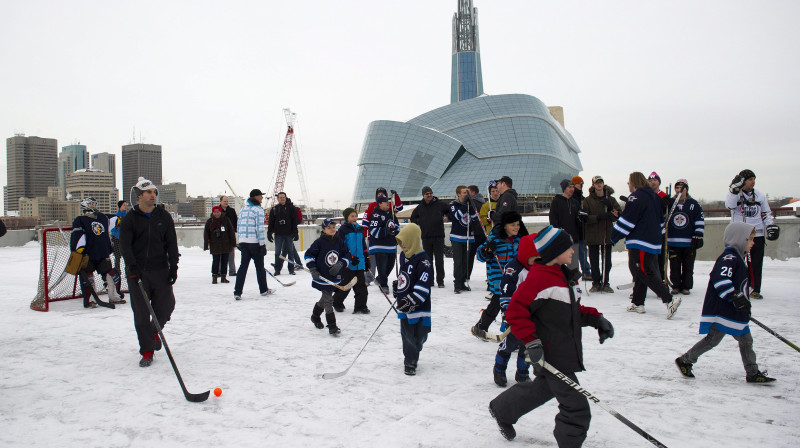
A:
[(54, 283)]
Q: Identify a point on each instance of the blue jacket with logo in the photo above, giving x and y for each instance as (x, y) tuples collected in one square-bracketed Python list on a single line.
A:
[(641, 223), (324, 253), (686, 221)]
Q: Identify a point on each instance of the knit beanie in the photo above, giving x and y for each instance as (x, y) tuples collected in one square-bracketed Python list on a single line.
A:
[(527, 249), (577, 180), (655, 175), (682, 181), (552, 242), (346, 212), (426, 189), (566, 183)]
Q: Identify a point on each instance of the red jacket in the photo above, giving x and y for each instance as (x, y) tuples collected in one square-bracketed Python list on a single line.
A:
[(544, 307)]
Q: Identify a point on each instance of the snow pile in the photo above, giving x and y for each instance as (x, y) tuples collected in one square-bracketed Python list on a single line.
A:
[(70, 377)]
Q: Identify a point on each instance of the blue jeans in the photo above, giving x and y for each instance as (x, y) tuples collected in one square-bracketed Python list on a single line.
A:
[(283, 246), (250, 251), (584, 260)]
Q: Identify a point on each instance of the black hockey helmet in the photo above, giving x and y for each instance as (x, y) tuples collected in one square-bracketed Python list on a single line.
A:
[(381, 191), (747, 174)]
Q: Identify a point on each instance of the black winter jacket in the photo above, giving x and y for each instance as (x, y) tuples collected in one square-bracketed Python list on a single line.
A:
[(564, 214), (429, 217), (150, 243), (230, 213), (282, 220)]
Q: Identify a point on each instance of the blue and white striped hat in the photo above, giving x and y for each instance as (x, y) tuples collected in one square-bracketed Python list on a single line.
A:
[(552, 242)]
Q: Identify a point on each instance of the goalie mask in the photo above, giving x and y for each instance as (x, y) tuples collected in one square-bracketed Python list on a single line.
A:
[(89, 205)]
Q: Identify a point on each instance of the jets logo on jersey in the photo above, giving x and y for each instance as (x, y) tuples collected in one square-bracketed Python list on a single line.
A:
[(632, 198), (402, 281), (508, 271), (331, 258), (98, 228), (680, 220), (426, 263), (728, 257)]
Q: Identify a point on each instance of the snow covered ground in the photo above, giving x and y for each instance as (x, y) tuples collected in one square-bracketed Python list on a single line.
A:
[(70, 377)]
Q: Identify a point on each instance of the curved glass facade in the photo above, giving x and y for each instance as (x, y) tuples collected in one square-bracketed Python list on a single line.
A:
[(468, 142)]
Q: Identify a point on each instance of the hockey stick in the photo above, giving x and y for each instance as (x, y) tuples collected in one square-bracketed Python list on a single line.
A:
[(346, 287), (666, 235), (492, 337), (330, 376), (276, 279), (597, 401), (772, 332), (195, 398), (626, 286)]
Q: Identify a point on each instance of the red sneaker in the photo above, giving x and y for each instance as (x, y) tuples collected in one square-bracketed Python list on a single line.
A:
[(147, 359)]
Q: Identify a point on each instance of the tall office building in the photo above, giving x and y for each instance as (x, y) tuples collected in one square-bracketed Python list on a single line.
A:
[(139, 160), (96, 184), (106, 162), (172, 193), (72, 158), (32, 164), (466, 79)]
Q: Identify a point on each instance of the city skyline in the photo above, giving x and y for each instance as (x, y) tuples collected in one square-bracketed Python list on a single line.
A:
[(690, 90)]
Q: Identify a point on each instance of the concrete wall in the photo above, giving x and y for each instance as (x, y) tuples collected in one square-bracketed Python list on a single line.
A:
[(787, 246)]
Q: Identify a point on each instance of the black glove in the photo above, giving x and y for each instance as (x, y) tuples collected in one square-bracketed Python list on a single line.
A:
[(736, 184), (623, 198), (336, 268), (488, 249), (263, 250), (406, 305), (490, 216), (367, 264), (315, 274), (740, 302), (533, 354), (604, 329), (394, 289), (697, 242), (394, 193), (173, 274), (582, 216), (270, 238), (295, 237), (133, 271), (773, 232)]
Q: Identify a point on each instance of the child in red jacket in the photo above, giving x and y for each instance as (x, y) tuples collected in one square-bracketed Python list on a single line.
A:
[(546, 315)]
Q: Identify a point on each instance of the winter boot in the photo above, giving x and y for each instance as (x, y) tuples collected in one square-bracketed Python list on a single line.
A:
[(333, 330), (759, 377), (506, 429), (499, 376), (315, 316), (224, 279), (410, 370), (684, 367), (147, 359), (522, 376), (214, 278)]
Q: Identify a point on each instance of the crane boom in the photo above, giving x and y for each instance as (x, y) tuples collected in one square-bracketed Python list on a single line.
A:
[(286, 152)]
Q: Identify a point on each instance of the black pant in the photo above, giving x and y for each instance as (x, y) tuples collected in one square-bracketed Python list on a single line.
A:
[(460, 264), (219, 263), (359, 290), (600, 278), (250, 251), (473, 250), (489, 314), (574, 415), (383, 265), (103, 267), (644, 269), (756, 262), (434, 247), (414, 336), (681, 267), (159, 292)]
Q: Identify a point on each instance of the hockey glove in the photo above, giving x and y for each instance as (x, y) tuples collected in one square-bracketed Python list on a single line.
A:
[(173, 275), (697, 242), (490, 216), (604, 329), (736, 184), (315, 274), (773, 232), (270, 238), (263, 250), (394, 289), (488, 250), (534, 354), (354, 260), (406, 305), (582, 216), (295, 237), (336, 268), (740, 302)]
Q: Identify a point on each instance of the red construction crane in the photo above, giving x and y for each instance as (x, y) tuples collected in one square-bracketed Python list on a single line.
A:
[(283, 165)]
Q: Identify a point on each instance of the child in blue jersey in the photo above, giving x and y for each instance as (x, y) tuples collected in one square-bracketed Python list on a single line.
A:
[(351, 233), (325, 258), (500, 249), (726, 309), (412, 289), (514, 273), (383, 227)]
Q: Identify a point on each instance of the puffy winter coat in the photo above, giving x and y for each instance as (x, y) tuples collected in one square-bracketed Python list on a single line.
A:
[(219, 236), (428, 216), (600, 221)]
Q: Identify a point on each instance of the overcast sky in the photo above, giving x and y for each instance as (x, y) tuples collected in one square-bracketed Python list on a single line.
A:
[(695, 90)]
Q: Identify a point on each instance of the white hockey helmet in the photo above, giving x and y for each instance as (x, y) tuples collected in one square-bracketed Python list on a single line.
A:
[(89, 205)]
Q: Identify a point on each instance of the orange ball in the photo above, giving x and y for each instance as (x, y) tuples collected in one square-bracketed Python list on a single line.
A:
[(218, 391)]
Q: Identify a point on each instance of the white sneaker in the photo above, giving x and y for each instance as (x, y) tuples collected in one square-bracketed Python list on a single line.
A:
[(636, 309), (268, 292), (672, 307)]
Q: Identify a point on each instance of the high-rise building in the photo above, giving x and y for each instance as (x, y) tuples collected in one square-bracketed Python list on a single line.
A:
[(172, 193), (139, 160), (474, 139), (49, 209), (466, 79), (107, 162), (96, 184), (72, 158), (32, 164)]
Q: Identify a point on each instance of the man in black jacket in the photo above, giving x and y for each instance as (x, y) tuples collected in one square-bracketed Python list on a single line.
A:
[(564, 214), (230, 213), (282, 230), (507, 202), (150, 249), (430, 215)]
